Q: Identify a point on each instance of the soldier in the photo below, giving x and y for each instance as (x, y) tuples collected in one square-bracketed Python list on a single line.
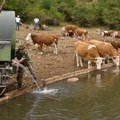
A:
[(23, 58)]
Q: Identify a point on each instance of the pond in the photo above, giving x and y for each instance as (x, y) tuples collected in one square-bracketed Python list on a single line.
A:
[(96, 96)]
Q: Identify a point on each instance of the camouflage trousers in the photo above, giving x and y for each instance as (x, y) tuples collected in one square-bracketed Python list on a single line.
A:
[(20, 73)]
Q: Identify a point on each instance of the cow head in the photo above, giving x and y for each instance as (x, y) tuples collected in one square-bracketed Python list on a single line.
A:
[(114, 33), (99, 61), (28, 37), (64, 32), (116, 60)]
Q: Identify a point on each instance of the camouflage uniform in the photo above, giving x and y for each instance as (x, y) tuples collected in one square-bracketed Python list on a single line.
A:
[(25, 63)]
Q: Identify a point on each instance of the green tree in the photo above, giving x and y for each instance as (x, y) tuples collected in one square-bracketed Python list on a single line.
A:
[(81, 12), (110, 13)]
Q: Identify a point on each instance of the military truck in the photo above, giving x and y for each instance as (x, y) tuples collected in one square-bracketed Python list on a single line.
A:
[(7, 47)]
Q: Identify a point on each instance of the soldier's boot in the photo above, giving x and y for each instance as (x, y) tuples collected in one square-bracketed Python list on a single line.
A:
[(19, 85)]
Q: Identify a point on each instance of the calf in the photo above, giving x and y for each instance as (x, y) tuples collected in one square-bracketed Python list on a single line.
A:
[(81, 32), (106, 50), (43, 40), (88, 51), (105, 33)]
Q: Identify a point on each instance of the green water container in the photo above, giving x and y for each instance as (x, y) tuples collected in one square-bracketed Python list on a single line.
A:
[(7, 35)]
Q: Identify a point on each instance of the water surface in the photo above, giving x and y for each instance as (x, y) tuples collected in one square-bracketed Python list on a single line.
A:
[(96, 96)]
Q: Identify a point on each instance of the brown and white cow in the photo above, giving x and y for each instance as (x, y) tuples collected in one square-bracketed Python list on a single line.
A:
[(63, 32), (41, 40), (89, 52), (106, 50), (69, 30), (116, 34), (81, 32), (116, 44), (105, 33)]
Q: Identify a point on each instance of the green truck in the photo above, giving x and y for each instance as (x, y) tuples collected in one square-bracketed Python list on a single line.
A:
[(7, 46)]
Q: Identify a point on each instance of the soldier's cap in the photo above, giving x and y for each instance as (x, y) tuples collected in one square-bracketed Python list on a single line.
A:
[(21, 47)]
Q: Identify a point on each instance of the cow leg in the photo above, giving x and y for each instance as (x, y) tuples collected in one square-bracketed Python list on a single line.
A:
[(55, 49), (89, 64), (74, 34), (77, 60), (83, 36), (66, 34), (40, 49), (81, 64)]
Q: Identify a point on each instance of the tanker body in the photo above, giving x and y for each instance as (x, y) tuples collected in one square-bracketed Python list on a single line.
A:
[(7, 46)]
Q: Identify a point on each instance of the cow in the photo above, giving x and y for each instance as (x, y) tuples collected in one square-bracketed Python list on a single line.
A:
[(105, 33), (106, 50), (41, 40), (81, 32), (116, 34), (116, 44), (89, 52), (68, 30), (70, 27), (65, 33)]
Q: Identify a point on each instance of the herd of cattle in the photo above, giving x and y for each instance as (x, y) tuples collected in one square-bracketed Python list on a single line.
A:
[(91, 49)]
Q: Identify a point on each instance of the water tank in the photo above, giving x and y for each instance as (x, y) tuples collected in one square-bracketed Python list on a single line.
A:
[(7, 35)]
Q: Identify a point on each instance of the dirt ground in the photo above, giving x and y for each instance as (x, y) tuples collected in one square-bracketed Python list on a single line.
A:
[(48, 64)]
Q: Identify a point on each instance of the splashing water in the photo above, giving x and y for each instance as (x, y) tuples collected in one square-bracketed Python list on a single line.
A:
[(46, 91), (29, 74)]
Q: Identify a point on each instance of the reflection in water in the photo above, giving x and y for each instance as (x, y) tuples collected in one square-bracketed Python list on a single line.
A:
[(103, 78), (116, 71), (39, 94), (96, 96), (98, 80)]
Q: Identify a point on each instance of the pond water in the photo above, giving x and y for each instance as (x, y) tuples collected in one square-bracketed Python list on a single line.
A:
[(96, 96)]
